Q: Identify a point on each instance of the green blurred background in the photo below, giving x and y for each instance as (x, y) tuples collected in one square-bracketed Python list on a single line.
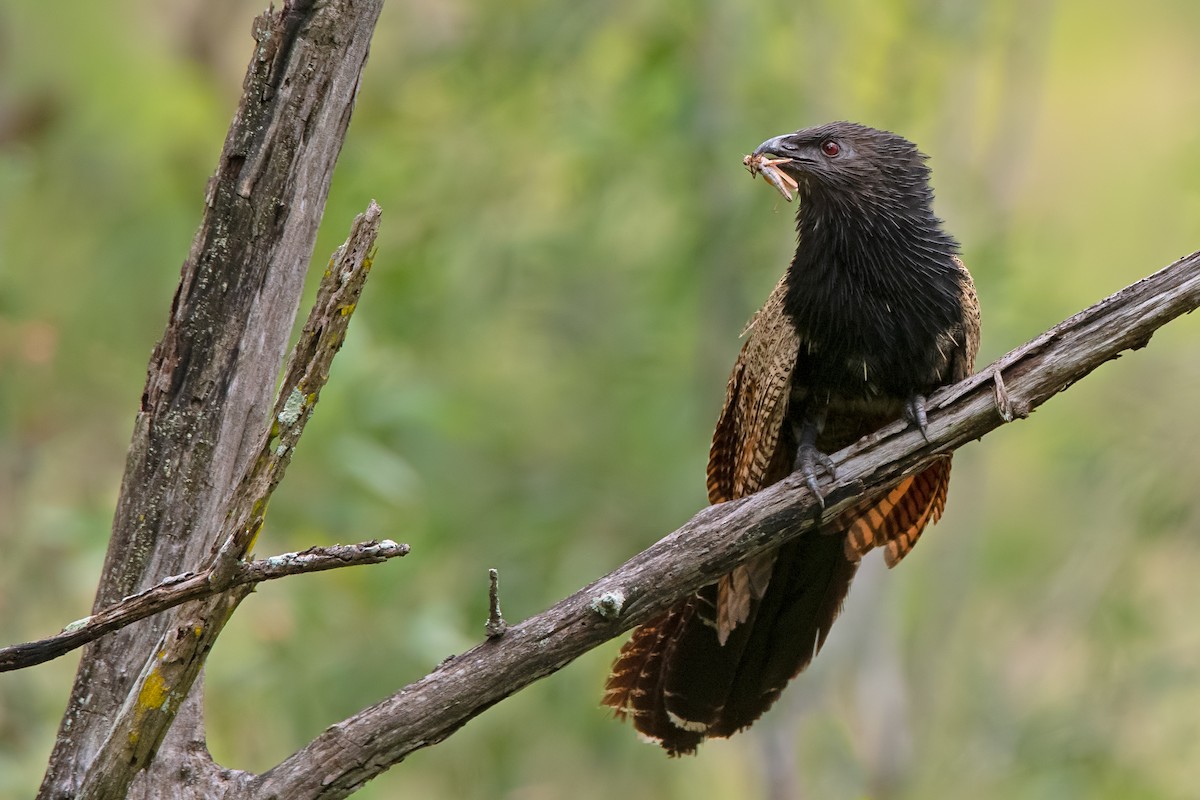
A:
[(570, 247)]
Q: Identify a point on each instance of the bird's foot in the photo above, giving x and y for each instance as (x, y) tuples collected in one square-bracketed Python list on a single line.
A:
[(914, 412), (808, 460)]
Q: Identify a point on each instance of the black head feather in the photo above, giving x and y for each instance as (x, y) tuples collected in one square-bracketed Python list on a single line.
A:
[(873, 283)]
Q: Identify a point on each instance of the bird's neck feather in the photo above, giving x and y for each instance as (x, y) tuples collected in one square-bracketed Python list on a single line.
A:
[(870, 271)]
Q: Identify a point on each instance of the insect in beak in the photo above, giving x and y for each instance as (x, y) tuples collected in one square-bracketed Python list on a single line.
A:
[(782, 182)]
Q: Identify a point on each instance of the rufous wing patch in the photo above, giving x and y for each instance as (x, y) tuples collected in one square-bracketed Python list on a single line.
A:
[(895, 518)]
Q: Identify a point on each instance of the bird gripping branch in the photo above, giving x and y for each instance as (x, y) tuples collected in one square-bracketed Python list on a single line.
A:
[(874, 313)]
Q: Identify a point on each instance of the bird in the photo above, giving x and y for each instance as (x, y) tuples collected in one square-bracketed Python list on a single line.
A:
[(875, 311)]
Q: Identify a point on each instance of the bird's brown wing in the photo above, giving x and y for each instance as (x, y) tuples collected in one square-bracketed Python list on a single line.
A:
[(752, 447), (751, 422), (895, 519)]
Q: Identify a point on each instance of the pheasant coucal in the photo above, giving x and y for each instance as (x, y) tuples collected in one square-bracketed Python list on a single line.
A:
[(875, 312)]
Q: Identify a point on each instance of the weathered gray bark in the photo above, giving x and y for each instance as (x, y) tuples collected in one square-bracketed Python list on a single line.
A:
[(212, 376)]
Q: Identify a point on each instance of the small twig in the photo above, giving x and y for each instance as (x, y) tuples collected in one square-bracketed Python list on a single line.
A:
[(319, 559), (496, 626), (179, 589)]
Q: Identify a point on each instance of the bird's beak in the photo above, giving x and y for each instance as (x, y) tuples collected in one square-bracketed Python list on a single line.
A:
[(774, 147), (785, 146)]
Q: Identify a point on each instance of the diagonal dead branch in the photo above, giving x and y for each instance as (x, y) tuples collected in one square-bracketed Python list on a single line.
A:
[(719, 537), (307, 372), (179, 589)]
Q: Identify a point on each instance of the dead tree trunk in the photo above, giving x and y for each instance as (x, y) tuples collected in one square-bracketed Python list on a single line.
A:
[(206, 403)]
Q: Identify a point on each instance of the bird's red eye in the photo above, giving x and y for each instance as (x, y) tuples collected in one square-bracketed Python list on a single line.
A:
[(830, 148)]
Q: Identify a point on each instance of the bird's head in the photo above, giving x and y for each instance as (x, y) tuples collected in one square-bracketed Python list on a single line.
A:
[(845, 159)]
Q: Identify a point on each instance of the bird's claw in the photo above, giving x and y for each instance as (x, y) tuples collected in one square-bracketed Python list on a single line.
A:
[(808, 460), (914, 412)]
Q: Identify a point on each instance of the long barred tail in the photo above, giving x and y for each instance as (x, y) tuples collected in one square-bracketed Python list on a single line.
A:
[(680, 685)]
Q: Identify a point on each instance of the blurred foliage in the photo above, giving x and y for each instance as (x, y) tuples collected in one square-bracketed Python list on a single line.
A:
[(570, 247)]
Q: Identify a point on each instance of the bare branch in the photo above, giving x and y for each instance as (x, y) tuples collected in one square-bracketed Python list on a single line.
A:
[(307, 372), (179, 589), (319, 559), (350, 753)]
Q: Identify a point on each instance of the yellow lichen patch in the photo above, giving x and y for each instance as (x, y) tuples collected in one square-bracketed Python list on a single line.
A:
[(347, 309), (154, 692), (259, 510)]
